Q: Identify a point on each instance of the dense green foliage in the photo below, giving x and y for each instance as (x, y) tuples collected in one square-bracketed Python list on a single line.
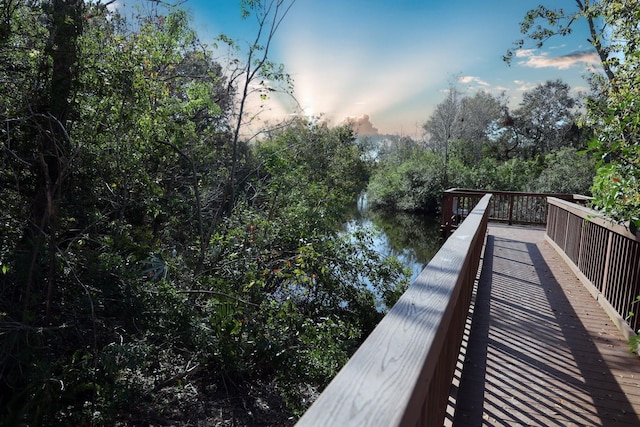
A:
[(148, 252), (475, 142), (411, 183), (615, 114)]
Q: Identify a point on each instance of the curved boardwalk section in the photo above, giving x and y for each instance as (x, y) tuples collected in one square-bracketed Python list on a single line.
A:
[(541, 351)]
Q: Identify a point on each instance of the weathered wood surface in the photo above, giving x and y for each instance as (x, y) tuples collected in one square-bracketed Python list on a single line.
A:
[(541, 351), (402, 373)]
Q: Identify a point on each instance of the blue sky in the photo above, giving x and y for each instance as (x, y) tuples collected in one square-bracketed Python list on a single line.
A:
[(393, 60)]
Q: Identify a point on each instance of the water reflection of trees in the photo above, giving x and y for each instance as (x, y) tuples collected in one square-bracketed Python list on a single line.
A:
[(408, 232)]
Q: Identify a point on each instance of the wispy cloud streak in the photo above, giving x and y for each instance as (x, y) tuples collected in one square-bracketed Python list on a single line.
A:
[(563, 62)]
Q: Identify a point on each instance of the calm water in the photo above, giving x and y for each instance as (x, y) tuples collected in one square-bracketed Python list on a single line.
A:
[(413, 239)]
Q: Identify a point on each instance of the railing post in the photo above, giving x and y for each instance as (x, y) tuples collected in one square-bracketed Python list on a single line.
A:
[(447, 214)]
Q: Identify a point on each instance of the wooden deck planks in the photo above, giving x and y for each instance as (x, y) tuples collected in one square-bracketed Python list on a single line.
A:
[(540, 350)]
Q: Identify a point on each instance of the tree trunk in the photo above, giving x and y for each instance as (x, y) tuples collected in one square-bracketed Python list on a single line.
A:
[(52, 117)]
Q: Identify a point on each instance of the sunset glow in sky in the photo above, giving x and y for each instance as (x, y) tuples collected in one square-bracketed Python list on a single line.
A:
[(393, 60)]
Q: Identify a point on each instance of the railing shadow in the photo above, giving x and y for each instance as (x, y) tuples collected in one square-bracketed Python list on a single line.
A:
[(469, 394), (530, 360)]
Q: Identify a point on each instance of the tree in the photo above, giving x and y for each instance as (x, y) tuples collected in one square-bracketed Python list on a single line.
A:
[(463, 126), (47, 120), (611, 114), (446, 122), (116, 209), (410, 183), (396, 148), (545, 120), (258, 70), (565, 171), (445, 125), (542, 23), (481, 116), (108, 136)]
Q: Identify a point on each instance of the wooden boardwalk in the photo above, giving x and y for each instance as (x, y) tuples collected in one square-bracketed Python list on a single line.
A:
[(539, 350)]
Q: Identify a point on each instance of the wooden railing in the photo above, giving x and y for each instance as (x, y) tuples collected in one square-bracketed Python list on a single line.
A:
[(506, 206), (605, 257), (401, 375)]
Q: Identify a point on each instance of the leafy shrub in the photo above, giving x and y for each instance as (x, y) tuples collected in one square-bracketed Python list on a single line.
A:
[(565, 171), (414, 184)]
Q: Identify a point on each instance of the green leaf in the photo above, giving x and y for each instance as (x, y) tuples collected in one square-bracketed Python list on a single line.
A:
[(156, 268)]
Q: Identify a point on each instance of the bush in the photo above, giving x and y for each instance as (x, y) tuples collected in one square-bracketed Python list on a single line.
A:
[(566, 171), (415, 184)]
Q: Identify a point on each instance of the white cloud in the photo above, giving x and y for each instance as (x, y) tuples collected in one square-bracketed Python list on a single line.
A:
[(472, 79), (523, 86), (523, 53), (589, 59)]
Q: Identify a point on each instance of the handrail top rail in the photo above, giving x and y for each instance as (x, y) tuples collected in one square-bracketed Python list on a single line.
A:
[(474, 192), (593, 216)]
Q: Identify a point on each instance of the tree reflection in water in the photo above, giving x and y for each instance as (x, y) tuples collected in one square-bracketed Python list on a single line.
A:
[(414, 239)]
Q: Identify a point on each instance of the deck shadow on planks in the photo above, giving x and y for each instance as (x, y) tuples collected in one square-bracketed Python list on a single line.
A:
[(530, 360), (468, 398)]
